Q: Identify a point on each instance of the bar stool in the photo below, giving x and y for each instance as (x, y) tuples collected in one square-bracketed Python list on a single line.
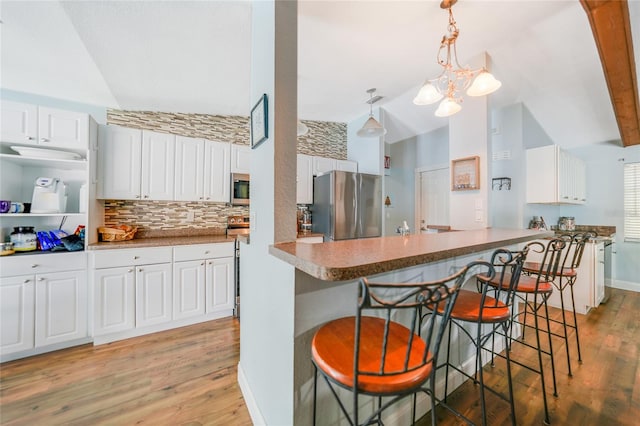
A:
[(539, 286), (566, 277), (373, 353), (476, 307)]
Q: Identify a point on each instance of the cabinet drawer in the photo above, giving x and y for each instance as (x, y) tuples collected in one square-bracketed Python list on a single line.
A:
[(202, 251), (42, 263), (131, 257)]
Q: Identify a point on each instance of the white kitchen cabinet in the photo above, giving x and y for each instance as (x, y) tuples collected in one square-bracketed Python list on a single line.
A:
[(201, 170), (555, 177), (188, 289), (217, 177), (158, 165), (219, 284), (304, 179), (17, 313), (153, 294), (30, 124), (136, 164), (323, 165), (114, 300), (61, 307), (120, 156), (18, 122), (132, 289), (347, 166), (240, 158)]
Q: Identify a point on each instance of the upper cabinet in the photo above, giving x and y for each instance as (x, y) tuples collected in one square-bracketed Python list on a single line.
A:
[(324, 165), (347, 166), (304, 179), (45, 127), (555, 177), (240, 158), (202, 170)]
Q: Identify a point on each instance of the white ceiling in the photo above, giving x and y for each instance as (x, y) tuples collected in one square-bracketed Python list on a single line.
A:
[(185, 56)]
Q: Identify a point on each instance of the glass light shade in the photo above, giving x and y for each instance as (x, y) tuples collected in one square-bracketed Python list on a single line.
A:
[(447, 107), (302, 128), (484, 84), (427, 95), (371, 129)]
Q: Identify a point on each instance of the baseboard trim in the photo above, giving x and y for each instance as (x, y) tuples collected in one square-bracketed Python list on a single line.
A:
[(249, 400), (626, 285)]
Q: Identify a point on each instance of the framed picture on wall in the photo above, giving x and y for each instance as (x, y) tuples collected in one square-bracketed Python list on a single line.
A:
[(465, 174), (260, 122)]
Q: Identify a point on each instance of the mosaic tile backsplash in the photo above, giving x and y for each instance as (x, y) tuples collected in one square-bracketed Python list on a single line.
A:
[(325, 139)]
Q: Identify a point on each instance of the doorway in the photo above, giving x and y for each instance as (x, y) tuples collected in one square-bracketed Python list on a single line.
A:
[(432, 198)]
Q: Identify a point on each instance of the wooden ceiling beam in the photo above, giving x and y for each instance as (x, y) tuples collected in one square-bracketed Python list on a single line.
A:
[(611, 29)]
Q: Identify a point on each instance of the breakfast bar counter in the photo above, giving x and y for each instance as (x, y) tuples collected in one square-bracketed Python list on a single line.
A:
[(351, 259)]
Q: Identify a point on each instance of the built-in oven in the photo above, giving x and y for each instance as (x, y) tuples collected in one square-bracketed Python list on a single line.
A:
[(237, 225), (239, 189)]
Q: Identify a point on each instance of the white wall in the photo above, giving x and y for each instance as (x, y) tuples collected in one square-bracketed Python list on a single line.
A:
[(368, 152)]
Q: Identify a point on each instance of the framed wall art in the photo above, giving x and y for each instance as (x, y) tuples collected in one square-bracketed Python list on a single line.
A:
[(260, 121), (465, 174)]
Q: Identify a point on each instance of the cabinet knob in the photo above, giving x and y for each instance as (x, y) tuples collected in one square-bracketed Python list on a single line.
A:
[(130, 270), (136, 257), (201, 198), (137, 196), (35, 265), (41, 279), (30, 138), (206, 252), (140, 269), (26, 281), (44, 140), (146, 196), (210, 262), (208, 198)]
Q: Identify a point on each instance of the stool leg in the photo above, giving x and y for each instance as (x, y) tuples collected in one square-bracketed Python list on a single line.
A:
[(544, 390), (479, 371), (315, 391), (575, 320), (553, 364), (446, 370), (507, 346), (564, 326), (524, 321)]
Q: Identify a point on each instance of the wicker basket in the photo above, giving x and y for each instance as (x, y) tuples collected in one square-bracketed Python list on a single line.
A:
[(119, 233)]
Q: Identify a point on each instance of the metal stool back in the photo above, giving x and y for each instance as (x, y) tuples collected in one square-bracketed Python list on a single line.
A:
[(388, 349)]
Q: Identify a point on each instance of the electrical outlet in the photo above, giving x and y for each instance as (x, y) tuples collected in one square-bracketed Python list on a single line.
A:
[(191, 216)]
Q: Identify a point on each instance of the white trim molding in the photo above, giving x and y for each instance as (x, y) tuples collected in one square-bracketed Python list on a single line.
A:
[(249, 400), (626, 285)]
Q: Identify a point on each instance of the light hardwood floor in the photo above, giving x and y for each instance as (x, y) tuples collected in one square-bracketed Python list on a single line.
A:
[(189, 376)]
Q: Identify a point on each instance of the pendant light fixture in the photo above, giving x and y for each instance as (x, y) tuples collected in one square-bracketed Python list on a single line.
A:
[(372, 128), (454, 78)]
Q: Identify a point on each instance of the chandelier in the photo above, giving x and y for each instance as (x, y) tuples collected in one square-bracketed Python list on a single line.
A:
[(454, 78)]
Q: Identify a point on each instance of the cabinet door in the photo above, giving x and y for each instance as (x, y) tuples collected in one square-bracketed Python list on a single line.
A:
[(158, 165), (304, 180), (18, 122), (153, 294), (323, 165), (240, 158), (347, 166), (61, 307), (217, 178), (114, 300), (67, 129), (188, 289), (17, 302), (598, 273), (542, 175), (220, 284), (120, 153), (581, 181), (189, 183)]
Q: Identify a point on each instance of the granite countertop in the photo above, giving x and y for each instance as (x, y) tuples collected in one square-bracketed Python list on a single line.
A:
[(351, 259), (162, 241)]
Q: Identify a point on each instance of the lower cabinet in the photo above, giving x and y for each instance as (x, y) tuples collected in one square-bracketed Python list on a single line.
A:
[(153, 294), (219, 284), (188, 289), (40, 310)]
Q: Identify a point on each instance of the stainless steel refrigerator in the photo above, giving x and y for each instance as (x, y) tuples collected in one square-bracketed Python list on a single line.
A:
[(347, 205)]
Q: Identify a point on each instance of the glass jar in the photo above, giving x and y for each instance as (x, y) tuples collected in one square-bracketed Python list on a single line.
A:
[(24, 238)]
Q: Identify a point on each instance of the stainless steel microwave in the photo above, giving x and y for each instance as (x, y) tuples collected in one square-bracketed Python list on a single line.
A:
[(239, 189)]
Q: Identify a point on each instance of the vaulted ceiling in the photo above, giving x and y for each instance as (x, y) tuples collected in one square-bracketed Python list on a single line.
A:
[(188, 56)]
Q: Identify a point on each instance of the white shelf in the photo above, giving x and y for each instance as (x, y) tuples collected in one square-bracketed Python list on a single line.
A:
[(12, 215), (22, 160)]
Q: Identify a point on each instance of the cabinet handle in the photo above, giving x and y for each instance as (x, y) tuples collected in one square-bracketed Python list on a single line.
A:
[(41, 279), (140, 269), (137, 196), (130, 271), (35, 265), (136, 257), (210, 262), (202, 264), (44, 140), (26, 281), (565, 197), (201, 198), (208, 198), (146, 196), (30, 138), (206, 252)]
